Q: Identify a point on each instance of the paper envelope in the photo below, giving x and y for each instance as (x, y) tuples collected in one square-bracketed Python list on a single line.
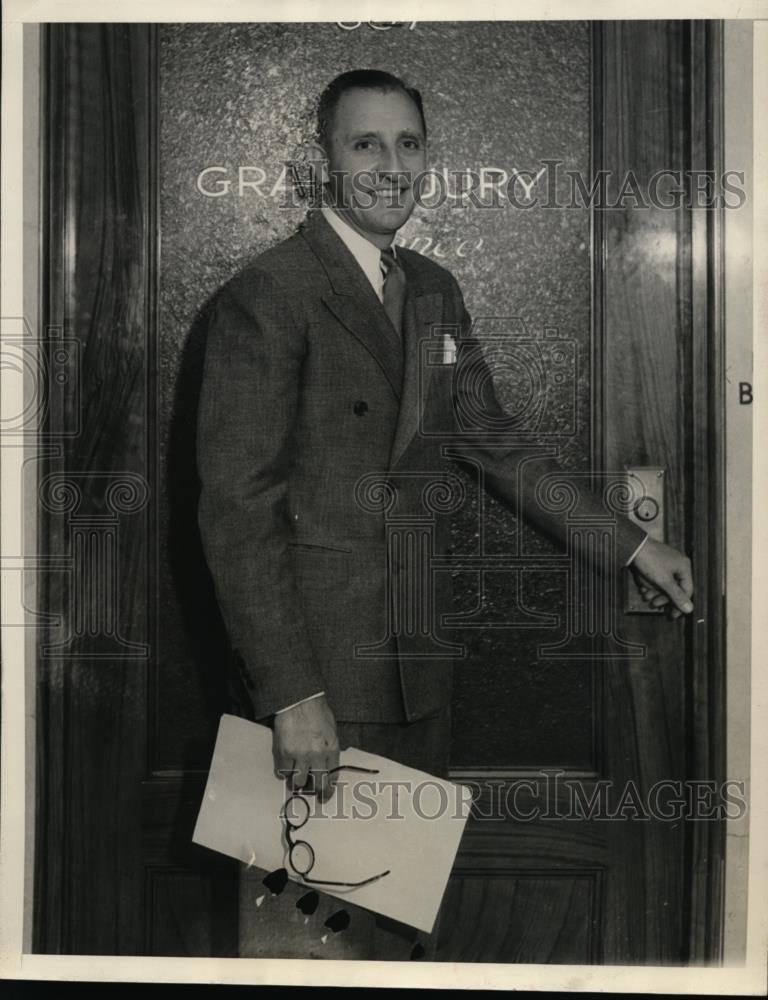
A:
[(400, 820)]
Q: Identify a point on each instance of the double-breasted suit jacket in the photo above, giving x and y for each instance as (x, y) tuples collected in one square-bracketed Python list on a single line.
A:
[(322, 498)]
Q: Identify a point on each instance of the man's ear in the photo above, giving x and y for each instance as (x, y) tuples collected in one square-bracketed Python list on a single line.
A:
[(318, 162)]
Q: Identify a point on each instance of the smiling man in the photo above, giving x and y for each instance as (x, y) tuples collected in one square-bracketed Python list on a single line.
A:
[(309, 435), (372, 146)]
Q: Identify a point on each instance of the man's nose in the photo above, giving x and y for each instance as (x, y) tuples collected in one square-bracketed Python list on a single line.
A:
[(391, 164)]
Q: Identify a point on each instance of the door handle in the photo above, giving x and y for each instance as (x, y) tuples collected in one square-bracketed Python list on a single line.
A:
[(646, 509)]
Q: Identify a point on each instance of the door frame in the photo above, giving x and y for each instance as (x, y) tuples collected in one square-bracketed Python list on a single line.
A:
[(706, 666)]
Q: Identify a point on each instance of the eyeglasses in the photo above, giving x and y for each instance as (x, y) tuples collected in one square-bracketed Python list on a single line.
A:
[(295, 814)]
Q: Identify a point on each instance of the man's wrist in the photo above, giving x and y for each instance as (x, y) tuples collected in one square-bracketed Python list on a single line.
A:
[(287, 708)]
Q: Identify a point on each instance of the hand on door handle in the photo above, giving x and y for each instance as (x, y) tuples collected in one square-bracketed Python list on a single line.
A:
[(663, 574)]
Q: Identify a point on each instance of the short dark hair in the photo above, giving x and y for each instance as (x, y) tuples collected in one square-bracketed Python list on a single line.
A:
[(360, 79)]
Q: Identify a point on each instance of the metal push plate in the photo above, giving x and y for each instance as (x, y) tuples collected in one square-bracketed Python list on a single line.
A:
[(646, 484)]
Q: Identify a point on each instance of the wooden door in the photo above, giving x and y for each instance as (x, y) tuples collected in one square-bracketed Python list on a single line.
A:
[(130, 684)]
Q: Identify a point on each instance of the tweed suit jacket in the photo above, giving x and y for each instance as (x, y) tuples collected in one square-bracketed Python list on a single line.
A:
[(321, 493)]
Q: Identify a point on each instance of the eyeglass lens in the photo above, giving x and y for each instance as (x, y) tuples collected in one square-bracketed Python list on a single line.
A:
[(301, 857), (296, 811)]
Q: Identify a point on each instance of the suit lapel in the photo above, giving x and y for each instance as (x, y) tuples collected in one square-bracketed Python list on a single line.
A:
[(370, 324), (353, 301), (355, 304)]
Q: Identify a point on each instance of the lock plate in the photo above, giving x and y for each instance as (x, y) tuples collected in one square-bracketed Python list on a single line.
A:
[(646, 484)]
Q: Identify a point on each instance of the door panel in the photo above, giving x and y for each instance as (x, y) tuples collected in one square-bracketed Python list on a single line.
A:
[(526, 918), (94, 502), (129, 701)]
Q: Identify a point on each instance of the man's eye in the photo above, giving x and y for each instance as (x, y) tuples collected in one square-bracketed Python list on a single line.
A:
[(411, 143), (363, 144)]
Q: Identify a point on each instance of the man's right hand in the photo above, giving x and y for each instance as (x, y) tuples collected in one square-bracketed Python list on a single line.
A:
[(304, 740), (664, 575)]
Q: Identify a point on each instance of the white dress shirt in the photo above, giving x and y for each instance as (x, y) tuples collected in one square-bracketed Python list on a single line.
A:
[(365, 253)]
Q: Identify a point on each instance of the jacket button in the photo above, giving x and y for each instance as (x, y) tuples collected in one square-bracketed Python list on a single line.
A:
[(360, 408)]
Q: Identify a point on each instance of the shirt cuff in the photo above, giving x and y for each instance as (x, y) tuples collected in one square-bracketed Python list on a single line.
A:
[(631, 558), (310, 698)]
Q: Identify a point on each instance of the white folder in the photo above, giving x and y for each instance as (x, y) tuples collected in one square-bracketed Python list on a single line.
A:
[(401, 820)]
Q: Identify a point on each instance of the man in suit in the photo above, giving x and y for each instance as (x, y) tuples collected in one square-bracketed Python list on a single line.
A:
[(310, 438)]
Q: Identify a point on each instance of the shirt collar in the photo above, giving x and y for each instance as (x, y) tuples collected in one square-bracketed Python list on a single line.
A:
[(365, 253)]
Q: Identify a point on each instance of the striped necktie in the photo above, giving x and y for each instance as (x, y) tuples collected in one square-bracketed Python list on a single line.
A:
[(394, 289)]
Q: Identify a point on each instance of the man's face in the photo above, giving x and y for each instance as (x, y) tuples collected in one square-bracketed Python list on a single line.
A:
[(377, 148)]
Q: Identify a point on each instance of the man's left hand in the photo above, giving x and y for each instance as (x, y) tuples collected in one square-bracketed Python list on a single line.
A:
[(663, 575)]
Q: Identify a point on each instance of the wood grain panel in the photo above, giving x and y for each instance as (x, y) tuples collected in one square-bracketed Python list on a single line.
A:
[(96, 488), (655, 404), (542, 918), (191, 891), (184, 915), (707, 503), (645, 351)]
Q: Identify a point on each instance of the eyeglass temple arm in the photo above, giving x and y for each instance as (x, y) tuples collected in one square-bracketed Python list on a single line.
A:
[(354, 767), (349, 885)]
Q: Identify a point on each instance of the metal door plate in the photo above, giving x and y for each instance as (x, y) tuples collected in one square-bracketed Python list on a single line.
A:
[(646, 510)]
